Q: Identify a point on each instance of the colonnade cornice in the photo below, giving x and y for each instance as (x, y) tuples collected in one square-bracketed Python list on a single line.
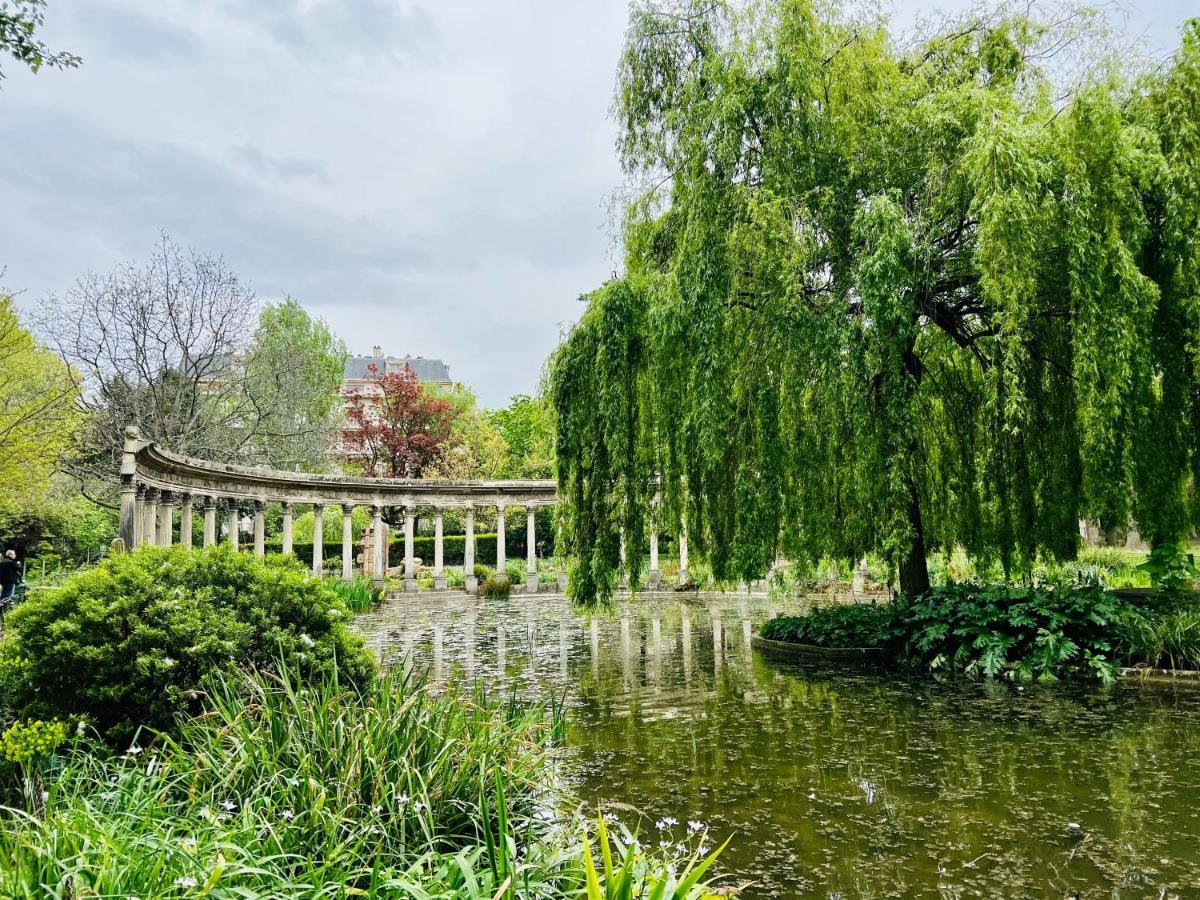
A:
[(164, 470)]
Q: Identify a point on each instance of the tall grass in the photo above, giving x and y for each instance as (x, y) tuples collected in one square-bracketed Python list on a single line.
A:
[(1167, 640), (359, 595), (288, 790)]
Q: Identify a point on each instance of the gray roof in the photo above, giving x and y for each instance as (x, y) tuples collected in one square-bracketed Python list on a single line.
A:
[(358, 367)]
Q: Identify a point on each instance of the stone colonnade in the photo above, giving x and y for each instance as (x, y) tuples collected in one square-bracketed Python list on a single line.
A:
[(155, 482)]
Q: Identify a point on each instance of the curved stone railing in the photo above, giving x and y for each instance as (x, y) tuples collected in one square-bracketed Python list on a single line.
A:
[(154, 481)]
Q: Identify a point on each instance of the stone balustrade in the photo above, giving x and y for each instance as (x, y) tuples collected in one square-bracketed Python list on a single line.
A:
[(155, 481)]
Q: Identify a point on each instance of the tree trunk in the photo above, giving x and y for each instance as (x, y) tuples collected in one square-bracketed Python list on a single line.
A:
[(914, 568)]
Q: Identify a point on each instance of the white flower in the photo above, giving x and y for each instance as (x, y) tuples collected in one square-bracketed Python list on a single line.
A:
[(403, 799), (187, 881), (306, 640), (168, 662), (133, 750), (663, 845), (228, 805), (418, 806), (376, 810), (189, 842), (665, 823), (45, 796), (288, 815), (679, 848), (292, 782), (694, 826)]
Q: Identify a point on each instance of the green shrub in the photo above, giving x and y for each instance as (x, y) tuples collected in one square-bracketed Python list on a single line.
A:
[(131, 642), (495, 588), (1020, 632), (850, 625)]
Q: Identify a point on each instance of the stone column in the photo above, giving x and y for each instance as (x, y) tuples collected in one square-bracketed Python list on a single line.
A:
[(439, 574), (531, 576), (234, 521), (500, 561), (139, 516), (260, 529), (130, 506), (410, 565), (149, 517), (185, 521), (623, 574), (379, 559), (164, 528), (654, 577), (318, 544), (210, 521), (287, 526), (129, 489), (347, 541), (683, 565), (470, 582)]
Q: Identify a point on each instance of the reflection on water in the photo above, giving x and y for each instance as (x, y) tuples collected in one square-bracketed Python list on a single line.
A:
[(836, 783)]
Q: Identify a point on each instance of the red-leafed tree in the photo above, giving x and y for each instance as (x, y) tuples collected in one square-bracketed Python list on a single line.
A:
[(397, 429)]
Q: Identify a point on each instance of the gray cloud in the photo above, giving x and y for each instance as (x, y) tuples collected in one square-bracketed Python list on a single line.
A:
[(431, 177), (387, 28), (113, 32), (278, 168)]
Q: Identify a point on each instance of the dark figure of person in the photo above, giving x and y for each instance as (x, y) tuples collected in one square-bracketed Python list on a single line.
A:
[(10, 575)]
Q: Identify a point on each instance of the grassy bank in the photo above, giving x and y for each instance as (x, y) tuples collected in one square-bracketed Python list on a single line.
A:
[(280, 764)]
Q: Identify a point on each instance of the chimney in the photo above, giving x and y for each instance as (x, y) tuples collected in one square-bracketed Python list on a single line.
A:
[(377, 350)]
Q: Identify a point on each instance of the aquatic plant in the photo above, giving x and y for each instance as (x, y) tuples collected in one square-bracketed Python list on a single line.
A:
[(842, 625), (495, 587), (1018, 632)]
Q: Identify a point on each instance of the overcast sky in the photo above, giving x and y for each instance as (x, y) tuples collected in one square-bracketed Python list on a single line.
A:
[(429, 176)]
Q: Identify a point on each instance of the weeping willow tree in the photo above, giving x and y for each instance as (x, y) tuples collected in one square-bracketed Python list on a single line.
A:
[(888, 296)]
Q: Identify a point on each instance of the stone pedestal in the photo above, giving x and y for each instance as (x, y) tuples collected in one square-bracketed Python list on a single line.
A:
[(654, 579), (562, 582), (439, 582), (470, 583), (531, 582)]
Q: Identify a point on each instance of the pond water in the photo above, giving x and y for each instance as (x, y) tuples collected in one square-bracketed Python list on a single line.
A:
[(835, 783)]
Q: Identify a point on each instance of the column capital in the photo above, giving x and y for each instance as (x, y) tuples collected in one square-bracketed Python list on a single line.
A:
[(185, 498), (151, 494), (210, 501), (287, 505), (141, 490)]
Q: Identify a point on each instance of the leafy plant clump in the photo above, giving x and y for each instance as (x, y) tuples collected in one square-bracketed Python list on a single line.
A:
[(1018, 632), (131, 642), (495, 587), (842, 626)]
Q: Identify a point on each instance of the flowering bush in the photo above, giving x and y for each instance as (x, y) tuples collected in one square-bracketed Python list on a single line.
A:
[(130, 642), (24, 741)]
